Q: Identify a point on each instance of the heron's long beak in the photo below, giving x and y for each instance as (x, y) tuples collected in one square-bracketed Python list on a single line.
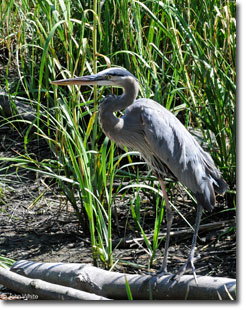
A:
[(84, 80)]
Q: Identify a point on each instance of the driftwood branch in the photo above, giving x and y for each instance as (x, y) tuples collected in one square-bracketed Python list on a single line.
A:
[(113, 284), (22, 109), (42, 289), (181, 233)]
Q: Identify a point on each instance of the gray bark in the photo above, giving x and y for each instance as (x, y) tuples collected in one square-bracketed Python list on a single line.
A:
[(113, 284), (42, 289), (22, 109)]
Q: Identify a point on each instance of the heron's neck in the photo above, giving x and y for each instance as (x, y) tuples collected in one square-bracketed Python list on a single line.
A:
[(109, 122), (128, 97)]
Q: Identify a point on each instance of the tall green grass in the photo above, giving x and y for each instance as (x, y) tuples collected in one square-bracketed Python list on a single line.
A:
[(182, 52)]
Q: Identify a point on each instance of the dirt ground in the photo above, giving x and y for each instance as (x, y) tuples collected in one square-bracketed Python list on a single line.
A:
[(37, 223)]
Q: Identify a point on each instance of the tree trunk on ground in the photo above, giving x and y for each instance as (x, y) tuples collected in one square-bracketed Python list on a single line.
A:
[(113, 284), (35, 288), (22, 109)]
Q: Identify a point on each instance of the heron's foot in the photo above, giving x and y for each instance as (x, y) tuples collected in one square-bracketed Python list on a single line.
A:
[(163, 272), (189, 264)]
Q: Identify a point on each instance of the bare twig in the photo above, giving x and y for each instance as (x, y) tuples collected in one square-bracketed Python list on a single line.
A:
[(126, 242)]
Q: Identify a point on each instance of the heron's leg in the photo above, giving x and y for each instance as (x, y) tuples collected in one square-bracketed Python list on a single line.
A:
[(191, 257), (169, 219)]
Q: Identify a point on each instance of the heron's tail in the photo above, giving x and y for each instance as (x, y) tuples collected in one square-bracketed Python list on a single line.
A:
[(220, 185), (211, 185), (206, 198), (214, 174)]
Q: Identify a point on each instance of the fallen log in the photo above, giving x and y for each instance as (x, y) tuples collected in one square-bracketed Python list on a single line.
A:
[(36, 288), (113, 284), (22, 109)]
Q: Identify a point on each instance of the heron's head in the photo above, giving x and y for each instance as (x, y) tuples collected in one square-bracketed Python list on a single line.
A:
[(109, 77)]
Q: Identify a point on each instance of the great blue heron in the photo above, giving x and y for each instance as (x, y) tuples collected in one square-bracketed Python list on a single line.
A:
[(162, 140)]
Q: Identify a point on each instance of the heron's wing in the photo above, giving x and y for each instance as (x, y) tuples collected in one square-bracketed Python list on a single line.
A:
[(168, 139), (173, 145)]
